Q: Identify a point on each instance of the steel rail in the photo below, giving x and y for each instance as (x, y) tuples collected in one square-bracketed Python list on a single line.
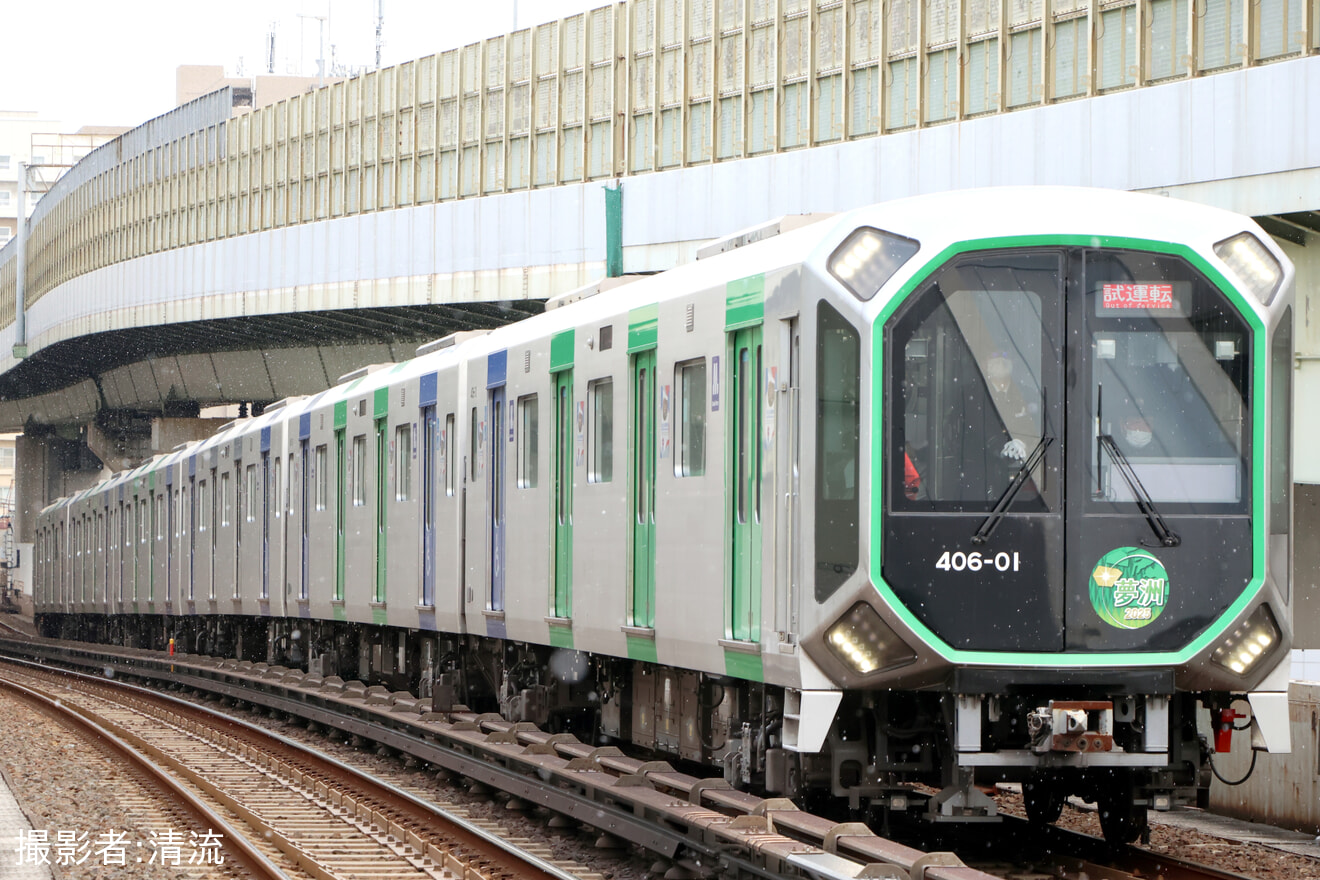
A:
[(248, 857), (406, 817)]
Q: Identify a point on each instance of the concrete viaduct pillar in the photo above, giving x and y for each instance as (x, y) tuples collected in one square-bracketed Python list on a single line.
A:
[(60, 463)]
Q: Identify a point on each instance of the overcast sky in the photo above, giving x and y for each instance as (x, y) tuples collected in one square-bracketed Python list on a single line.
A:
[(112, 62)]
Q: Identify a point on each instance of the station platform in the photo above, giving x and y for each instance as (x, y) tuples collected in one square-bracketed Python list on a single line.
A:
[(16, 863), (1240, 831)]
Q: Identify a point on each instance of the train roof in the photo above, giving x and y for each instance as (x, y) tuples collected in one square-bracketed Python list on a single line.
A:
[(997, 212)]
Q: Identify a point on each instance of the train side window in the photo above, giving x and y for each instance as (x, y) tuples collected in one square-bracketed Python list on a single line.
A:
[(322, 477), (252, 491), (226, 509), (474, 444), (359, 467), (403, 462), (838, 419), (277, 492), (690, 409), (600, 396), (528, 426), (447, 463), (203, 499)]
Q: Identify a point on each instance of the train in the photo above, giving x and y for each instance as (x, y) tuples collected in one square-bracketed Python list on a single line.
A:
[(884, 507)]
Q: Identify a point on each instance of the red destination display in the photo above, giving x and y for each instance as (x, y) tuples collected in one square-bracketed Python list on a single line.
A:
[(1138, 296)]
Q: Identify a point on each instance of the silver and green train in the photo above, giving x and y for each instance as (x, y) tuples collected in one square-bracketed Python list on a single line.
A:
[(979, 486)]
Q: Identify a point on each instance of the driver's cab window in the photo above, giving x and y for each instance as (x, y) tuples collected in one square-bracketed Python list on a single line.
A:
[(974, 358), (1168, 383)]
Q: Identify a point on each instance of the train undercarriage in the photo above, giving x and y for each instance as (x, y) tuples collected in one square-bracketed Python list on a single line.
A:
[(929, 754)]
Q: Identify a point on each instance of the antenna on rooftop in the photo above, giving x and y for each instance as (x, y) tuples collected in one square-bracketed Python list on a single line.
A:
[(380, 26), (270, 49)]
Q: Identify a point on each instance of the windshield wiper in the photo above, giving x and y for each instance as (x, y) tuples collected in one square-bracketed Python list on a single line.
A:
[(1167, 537), (1019, 480)]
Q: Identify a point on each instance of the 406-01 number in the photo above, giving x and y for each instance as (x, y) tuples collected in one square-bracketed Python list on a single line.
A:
[(975, 561)]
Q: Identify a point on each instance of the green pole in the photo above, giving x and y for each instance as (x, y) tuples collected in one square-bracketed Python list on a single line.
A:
[(614, 231)]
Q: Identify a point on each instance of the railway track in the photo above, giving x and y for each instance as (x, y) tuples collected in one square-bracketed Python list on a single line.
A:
[(702, 826), (148, 790), (1015, 849), (284, 811)]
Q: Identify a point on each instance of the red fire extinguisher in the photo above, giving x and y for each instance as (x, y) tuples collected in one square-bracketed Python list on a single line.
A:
[(1224, 729)]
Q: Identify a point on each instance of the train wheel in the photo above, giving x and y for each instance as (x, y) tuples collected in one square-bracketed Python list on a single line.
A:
[(1121, 820), (1043, 798)]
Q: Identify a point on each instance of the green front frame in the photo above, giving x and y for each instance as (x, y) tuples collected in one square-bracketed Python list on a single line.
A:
[(1259, 405)]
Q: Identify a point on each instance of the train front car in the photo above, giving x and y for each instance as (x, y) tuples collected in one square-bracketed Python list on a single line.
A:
[(1079, 501)]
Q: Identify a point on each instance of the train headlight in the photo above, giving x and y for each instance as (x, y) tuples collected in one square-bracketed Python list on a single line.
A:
[(1251, 640), (868, 258), (1253, 264), (865, 643)]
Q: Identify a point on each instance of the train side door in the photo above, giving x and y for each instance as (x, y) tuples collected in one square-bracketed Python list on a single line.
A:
[(192, 529), (745, 458), (430, 449), (782, 401), (304, 505), (382, 462), (265, 521), (641, 448), (341, 502), (562, 518), (495, 486)]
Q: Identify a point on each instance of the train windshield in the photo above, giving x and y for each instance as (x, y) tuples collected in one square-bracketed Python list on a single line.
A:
[(1155, 389), (1046, 407), (1167, 383), (980, 348)]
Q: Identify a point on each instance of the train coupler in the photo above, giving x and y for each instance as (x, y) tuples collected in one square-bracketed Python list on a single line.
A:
[(1072, 726)]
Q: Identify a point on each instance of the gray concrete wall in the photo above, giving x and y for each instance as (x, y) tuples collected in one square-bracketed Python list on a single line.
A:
[(1283, 789), (47, 468)]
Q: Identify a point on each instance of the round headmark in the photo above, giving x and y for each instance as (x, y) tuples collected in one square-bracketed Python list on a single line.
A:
[(1129, 587)]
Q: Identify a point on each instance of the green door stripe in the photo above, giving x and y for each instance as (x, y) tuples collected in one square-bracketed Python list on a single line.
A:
[(744, 302), (1260, 353), (561, 636), (341, 414), (561, 351), (643, 649), (741, 664), (381, 403), (643, 328)]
